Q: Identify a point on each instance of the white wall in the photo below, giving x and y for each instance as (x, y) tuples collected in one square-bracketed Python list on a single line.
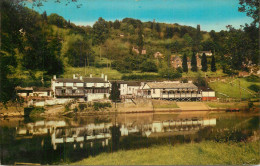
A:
[(97, 96), (208, 94)]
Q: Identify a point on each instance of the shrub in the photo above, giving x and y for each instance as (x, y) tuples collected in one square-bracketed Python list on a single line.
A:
[(36, 111), (98, 105), (255, 88), (253, 78), (82, 107), (179, 69)]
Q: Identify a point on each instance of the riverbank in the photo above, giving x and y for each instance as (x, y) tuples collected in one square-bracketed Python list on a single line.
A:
[(139, 106), (203, 153)]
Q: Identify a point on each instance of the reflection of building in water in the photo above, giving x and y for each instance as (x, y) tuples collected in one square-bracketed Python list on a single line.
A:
[(168, 127), (91, 133)]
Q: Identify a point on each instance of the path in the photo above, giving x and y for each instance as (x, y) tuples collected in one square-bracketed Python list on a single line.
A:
[(192, 106)]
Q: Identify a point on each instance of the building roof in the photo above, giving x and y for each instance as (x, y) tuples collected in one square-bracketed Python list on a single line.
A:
[(41, 89), (26, 88), (205, 89), (84, 80), (94, 80), (69, 80), (164, 85)]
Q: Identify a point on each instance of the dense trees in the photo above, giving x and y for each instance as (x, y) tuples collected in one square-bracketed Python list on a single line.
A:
[(184, 63), (213, 64), (194, 62), (204, 63), (115, 93)]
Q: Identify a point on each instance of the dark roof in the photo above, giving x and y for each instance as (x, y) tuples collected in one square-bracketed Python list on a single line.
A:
[(41, 89), (95, 80), (69, 80)]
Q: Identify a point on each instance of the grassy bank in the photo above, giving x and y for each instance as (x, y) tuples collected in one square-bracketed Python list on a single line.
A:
[(164, 104), (231, 88), (204, 153)]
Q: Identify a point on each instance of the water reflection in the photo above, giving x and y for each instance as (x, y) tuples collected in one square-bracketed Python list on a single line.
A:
[(66, 140)]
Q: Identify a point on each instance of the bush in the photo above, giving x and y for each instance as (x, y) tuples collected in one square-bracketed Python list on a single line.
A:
[(98, 105), (179, 69), (148, 66), (169, 73), (253, 78), (36, 111), (255, 88), (82, 107)]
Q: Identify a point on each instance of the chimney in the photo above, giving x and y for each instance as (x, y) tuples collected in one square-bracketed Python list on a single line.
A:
[(74, 76), (80, 78), (54, 77), (90, 75), (102, 75), (105, 77)]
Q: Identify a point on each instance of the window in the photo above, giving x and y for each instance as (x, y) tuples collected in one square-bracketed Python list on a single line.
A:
[(153, 91), (74, 84)]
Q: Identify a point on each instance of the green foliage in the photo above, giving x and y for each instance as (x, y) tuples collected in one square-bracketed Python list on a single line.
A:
[(140, 40), (141, 77), (57, 20), (204, 63), (82, 106), (115, 93), (213, 64), (193, 62), (253, 78), (148, 66), (169, 73), (184, 63), (116, 24), (36, 111), (97, 105), (200, 81), (254, 87), (100, 31)]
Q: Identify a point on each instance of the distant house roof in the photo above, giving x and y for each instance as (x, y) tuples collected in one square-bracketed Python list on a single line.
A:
[(94, 80), (164, 85), (176, 57), (41, 89), (69, 80), (26, 88)]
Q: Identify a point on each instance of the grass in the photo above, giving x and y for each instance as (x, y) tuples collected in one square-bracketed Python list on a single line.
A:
[(203, 153), (209, 73), (232, 90), (164, 104), (227, 105)]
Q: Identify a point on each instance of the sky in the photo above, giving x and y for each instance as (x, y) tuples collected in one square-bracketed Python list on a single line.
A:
[(210, 14)]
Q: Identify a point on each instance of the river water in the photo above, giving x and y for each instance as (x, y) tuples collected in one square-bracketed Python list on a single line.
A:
[(63, 140)]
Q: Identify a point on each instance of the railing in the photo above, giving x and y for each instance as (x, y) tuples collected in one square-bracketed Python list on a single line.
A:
[(71, 94)]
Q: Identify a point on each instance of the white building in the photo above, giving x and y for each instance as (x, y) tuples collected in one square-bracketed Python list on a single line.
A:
[(90, 88), (129, 89), (171, 91)]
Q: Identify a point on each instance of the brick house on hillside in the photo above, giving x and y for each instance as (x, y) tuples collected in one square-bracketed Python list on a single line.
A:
[(207, 53), (158, 55), (135, 49)]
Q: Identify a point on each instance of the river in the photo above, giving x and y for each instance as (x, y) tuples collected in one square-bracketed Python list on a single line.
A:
[(65, 140)]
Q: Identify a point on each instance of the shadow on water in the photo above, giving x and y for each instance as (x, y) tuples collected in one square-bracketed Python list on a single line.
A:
[(70, 140)]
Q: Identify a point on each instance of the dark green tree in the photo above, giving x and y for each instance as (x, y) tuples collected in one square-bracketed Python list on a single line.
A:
[(116, 24), (204, 63), (213, 64), (184, 63), (194, 62), (158, 27), (100, 31), (140, 40), (115, 93), (148, 66)]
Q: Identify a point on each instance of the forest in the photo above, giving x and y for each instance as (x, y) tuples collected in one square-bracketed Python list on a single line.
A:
[(35, 46)]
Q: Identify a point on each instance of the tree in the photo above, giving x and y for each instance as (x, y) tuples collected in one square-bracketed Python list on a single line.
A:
[(115, 93), (204, 63), (194, 62), (158, 27), (148, 66), (140, 40), (100, 31), (184, 63), (213, 64), (116, 24), (251, 7), (169, 32)]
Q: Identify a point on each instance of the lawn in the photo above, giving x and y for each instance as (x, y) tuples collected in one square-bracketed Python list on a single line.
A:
[(209, 73), (232, 90), (227, 105), (204, 153), (164, 104)]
